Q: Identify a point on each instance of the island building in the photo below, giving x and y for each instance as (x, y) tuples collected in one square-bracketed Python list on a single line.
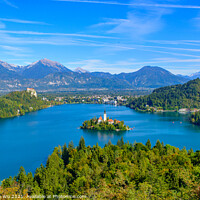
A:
[(105, 116), (32, 92), (110, 121), (100, 119)]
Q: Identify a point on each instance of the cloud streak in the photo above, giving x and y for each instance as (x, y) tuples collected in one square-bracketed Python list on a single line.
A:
[(134, 4), (56, 34), (22, 21), (10, 4)]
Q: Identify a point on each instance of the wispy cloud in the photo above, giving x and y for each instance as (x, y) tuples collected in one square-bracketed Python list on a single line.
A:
[(59, 40), (2, 25), (56, 34), (11, 48), (137, 24), (22, 21), (135, 4), (15, 51), (10, 4), (97, 2)]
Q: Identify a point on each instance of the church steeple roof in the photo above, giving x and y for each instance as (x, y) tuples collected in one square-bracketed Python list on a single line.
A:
[(105, 111)]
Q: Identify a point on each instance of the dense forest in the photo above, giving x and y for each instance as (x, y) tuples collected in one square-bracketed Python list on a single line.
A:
[(170, 98), (93, 124), (122, 171), (18, 103)]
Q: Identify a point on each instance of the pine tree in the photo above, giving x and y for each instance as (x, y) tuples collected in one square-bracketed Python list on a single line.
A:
[(122, 141), (158, 145), (190, 152), (148, 144), (70, 146), (109, 142), (22, 179), (81, 144), (65, 154), (119, 143), (162, 144)]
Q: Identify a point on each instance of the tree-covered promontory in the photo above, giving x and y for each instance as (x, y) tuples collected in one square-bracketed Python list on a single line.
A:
[(19, 103), (170, 98), (123, 171)]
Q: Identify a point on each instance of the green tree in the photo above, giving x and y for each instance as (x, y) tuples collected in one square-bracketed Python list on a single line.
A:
[(148, 144), (81, 144), (22, 179)]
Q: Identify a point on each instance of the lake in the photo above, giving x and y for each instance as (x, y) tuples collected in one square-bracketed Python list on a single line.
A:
[(28, 140)]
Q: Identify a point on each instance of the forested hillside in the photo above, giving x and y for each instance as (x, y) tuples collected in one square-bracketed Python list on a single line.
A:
[(171, 97), (18, 103), (122, 171)]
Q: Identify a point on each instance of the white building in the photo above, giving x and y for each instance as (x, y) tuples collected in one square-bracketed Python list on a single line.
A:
[(32, 92), (105, 116), (100, 120)]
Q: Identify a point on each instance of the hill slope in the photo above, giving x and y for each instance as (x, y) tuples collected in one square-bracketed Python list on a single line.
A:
[(171, 97)]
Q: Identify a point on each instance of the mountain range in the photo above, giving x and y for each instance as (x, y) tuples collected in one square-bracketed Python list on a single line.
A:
[(50, 75)]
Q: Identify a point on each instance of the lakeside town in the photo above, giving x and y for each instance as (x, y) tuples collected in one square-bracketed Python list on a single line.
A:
[(117, 100)]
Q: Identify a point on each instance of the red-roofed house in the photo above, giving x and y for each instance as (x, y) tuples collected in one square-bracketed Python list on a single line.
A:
[(110, 121), (100, 119)]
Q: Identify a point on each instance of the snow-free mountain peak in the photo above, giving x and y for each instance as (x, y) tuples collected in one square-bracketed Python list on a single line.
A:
[(42, 68), (81, 70)]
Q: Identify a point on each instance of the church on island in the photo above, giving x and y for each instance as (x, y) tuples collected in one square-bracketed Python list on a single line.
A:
[(110, 121), (104, 124)]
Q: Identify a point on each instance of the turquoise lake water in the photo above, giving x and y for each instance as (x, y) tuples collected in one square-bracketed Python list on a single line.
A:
[(28, 140)]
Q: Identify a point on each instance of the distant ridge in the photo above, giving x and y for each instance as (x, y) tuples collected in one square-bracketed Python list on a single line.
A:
[(81, 70), (152, 77), (195, 75), (48, 75)]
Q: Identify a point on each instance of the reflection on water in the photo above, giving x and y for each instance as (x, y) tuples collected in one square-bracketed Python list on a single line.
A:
[(104, 136)]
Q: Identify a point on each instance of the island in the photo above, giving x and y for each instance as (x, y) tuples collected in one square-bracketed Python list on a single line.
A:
[(104, 124)]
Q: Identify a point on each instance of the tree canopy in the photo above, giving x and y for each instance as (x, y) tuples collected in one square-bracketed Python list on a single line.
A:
[(122, 171), (171, 97)]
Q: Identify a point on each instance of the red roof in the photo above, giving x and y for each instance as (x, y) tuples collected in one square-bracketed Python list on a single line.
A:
[(110, 120), (118, 121), (100, 118)]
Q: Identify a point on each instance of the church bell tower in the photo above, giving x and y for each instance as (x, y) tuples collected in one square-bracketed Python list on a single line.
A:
[(105, 116)]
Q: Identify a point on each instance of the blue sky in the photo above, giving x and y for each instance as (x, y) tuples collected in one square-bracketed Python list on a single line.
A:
[(112, 36)]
